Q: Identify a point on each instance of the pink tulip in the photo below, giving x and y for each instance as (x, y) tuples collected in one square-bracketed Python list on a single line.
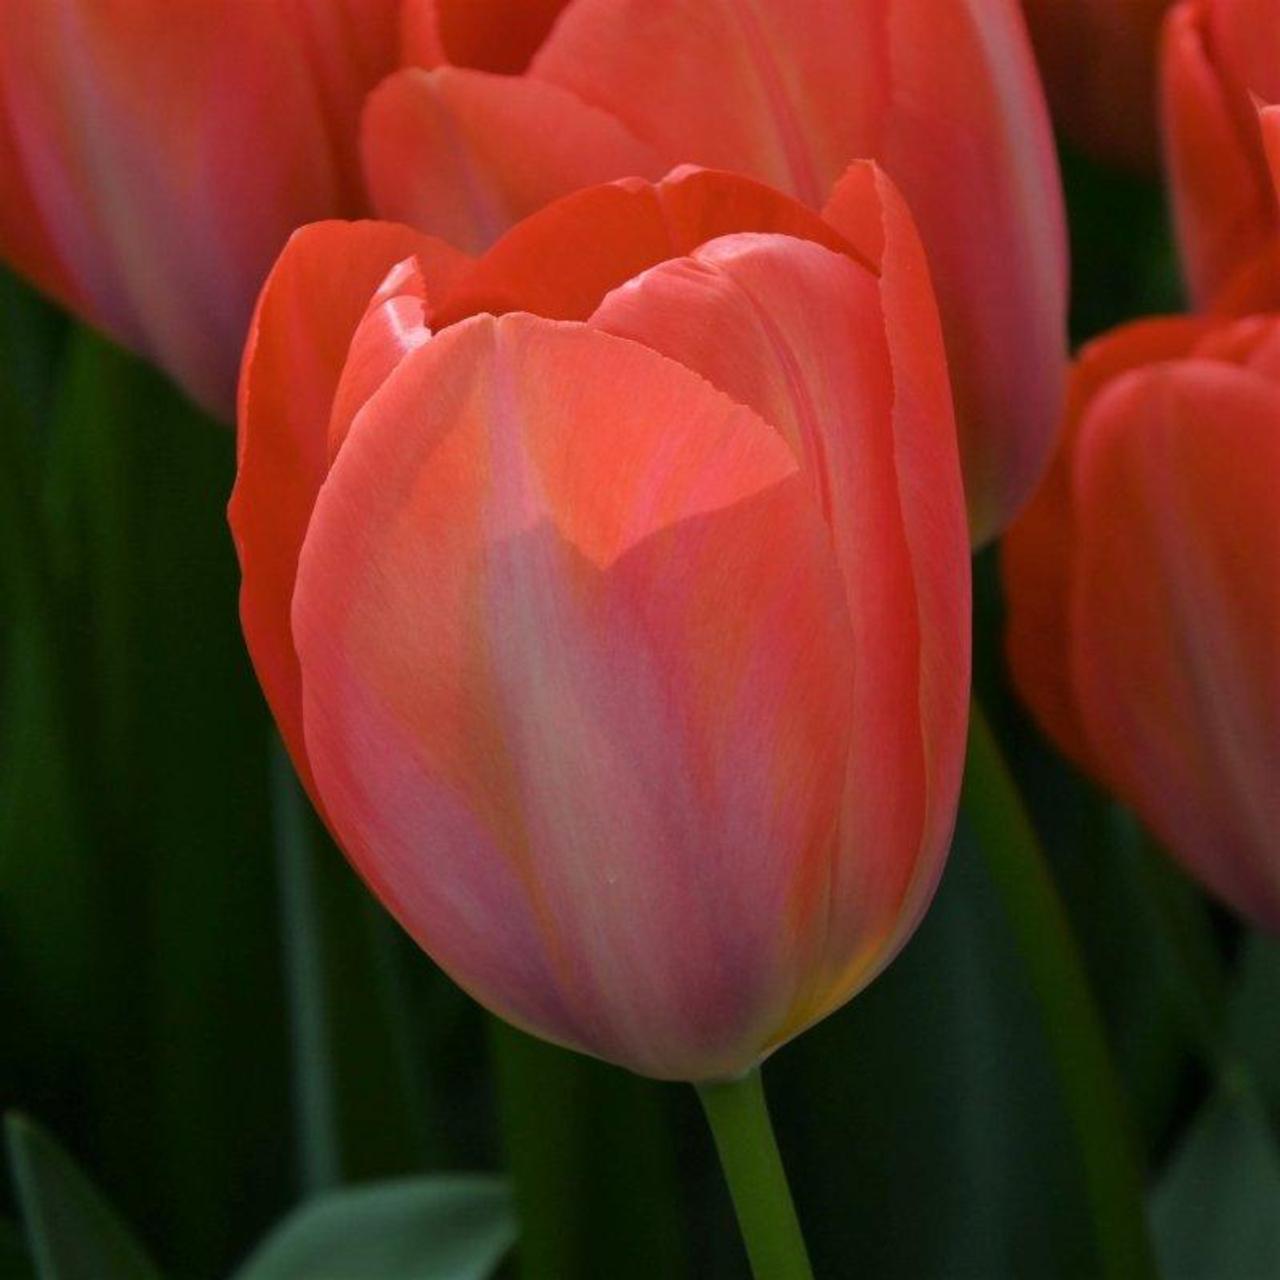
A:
[(1220, 58), (943, 93), (1143, 585), (626, 655), (155, 156)]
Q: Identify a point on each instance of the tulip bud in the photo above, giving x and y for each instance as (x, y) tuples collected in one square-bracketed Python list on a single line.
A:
[(626, 656), (154, 158), (1143, 586), (942, 93), (1220, 58)]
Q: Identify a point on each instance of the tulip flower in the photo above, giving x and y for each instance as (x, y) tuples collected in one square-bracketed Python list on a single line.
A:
[(1220, 58), (622, 639), (154, 158), (1143, 586), (1098, 58), (943, 93)]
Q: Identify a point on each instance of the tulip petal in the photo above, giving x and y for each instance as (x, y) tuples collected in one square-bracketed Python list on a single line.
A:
[(746, 86), (1038, 550), (487, 35), (1223, 203), (464, 155), (1176, 613), (969, 144), (796, 332), (576, 668), (164, 212), (298, 345), (560, 262)]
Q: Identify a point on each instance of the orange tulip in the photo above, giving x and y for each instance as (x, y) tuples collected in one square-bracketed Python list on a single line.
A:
[(1220, 58), (625, 653), (1143, 585), (154, 158), (943, 93), (1099, 59)]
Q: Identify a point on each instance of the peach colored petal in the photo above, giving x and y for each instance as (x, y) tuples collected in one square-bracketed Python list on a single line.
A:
[(576, 669), (1038, 552), (1176, 613), (298, 345), (1223, 202), (156, 158), (561, 261), (487, 35), (465, 154), (799, 333)]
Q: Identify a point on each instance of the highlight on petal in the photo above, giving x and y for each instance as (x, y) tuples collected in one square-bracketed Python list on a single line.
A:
[(299, 342), (577, 678), (1036, 554), (464, 155), (561, 261), (1176, 610), (798, 333)]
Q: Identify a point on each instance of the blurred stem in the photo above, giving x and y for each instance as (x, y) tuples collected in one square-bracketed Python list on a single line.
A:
[(1092, 1092), (739, 1119)]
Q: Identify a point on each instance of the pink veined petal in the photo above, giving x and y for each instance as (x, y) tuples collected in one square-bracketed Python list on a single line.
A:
[(464, 155), (796, 332), (298, 346), (576, 673), (1176, 613)]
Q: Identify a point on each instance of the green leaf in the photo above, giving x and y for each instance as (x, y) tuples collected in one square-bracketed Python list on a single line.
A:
[(1216, 1212), (438, 1228), (1253, 1025), (73, 1233), (358, 1113)]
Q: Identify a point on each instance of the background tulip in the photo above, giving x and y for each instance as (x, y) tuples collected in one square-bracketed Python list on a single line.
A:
[(1220, 57), (1098, 58), (1144, 592), (620, 654), (944, 95), (155, 157)]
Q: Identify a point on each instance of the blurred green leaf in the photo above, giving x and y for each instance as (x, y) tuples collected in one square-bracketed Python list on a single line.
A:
[(73, 1233), (357, 1113), (592, 1164), (1216, 1211), (1254, 1016), (15, 1262), (438, 1228)]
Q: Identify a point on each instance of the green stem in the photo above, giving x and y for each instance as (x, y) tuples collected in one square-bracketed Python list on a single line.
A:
[(739, 1119), (1092, 1093)]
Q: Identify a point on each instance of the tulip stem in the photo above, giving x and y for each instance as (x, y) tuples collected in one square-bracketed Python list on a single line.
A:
[(1092, 1092), (739, 1119)]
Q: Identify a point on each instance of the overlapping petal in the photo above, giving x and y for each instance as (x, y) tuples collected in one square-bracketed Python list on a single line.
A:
[(296, 364), (577, 668)]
